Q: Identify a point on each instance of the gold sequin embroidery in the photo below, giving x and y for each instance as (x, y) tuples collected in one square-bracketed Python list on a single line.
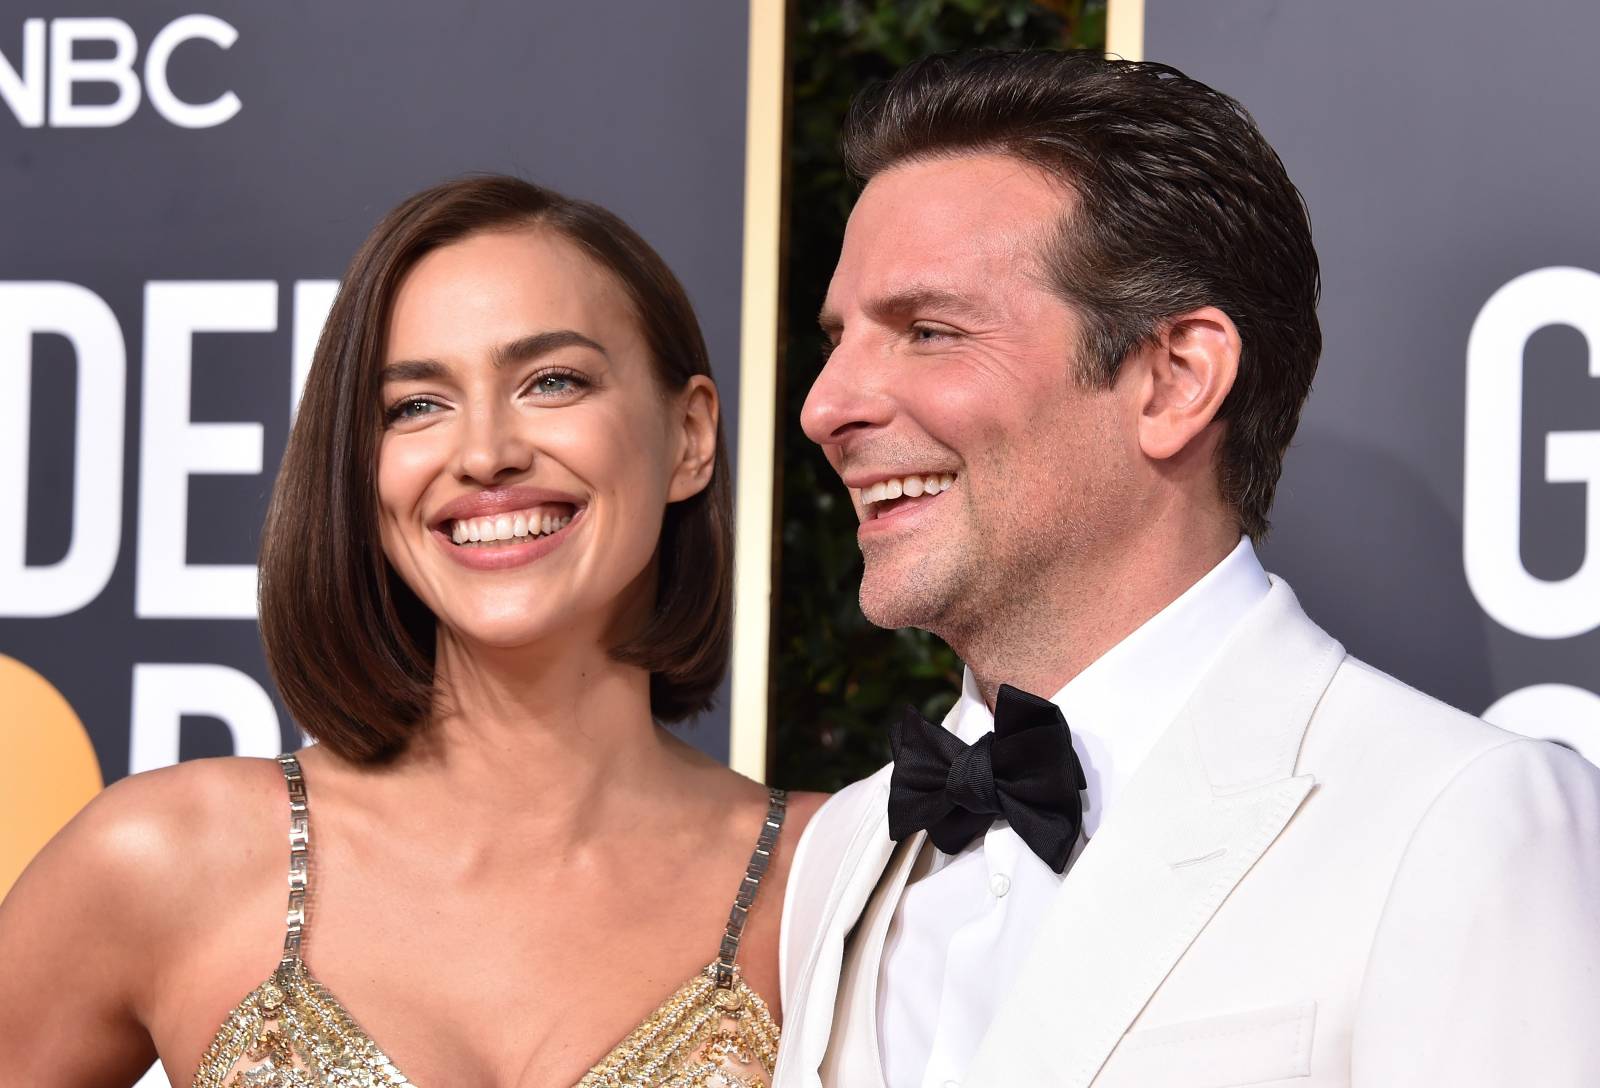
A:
[(290, 1032), (701, 1037)]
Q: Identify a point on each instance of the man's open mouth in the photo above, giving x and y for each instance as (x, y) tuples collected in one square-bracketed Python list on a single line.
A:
[(886, 496)]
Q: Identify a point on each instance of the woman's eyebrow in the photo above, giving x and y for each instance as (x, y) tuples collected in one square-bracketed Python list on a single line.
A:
[(413, 370), (526, 348), (521, 350)]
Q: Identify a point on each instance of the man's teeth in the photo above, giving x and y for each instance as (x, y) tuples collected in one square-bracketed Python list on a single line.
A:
[(520, 524), (909, 486)]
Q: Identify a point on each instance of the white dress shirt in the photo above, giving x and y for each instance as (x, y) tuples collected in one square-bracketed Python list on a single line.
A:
[(965, 921)]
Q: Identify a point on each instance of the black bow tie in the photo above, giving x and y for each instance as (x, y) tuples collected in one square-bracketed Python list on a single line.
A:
[(1024, 772)]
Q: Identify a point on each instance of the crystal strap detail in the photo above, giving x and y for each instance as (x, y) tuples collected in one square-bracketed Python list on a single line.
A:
[(777, 807), (299, 861)]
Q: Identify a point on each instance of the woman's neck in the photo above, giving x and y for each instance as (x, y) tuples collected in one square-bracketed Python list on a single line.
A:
[(545, 739)]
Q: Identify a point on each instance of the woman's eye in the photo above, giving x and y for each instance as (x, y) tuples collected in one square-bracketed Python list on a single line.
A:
[(413, 408), (556, 383)]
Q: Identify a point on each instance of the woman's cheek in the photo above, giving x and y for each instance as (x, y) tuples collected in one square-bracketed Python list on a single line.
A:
[(407, 464)]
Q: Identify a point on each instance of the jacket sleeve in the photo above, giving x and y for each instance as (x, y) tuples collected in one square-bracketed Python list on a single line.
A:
[(1485, 968)]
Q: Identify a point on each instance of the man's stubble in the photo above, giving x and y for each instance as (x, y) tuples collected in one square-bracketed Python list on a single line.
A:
[(1014, 569)]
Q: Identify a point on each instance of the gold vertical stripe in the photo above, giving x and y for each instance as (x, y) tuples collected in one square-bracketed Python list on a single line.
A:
[(1125, 29), (758, 390)]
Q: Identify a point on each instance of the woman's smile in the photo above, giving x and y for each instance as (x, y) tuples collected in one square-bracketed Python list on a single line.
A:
[(513, 549), (503, 527)]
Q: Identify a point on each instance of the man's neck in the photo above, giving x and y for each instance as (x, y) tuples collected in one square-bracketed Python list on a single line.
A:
[(1070, 620)]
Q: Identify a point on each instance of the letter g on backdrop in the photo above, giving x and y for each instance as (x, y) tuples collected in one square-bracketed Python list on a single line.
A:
[(1492, 514)]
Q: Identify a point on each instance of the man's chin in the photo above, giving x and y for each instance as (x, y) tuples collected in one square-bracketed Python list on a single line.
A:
[(895, 599)]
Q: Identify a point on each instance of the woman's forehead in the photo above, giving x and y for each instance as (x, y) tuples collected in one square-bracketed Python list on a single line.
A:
[(497, 287)]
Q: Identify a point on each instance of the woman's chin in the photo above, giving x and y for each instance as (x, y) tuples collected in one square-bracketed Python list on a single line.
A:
[(507, 635)]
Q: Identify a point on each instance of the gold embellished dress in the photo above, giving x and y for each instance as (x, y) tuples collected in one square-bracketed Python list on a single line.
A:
[(290, 1032)]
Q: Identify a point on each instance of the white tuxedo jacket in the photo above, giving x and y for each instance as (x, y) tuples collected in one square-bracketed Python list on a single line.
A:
[(1318, 877)]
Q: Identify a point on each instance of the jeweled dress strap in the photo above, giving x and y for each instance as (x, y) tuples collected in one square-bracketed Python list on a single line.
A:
[(777, 807), (299, 862)]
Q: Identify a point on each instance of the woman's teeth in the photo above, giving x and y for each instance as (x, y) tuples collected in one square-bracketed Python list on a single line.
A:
[(517, 525), (908, 486)]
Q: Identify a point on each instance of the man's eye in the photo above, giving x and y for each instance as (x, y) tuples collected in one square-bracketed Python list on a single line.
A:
[(925, 334)]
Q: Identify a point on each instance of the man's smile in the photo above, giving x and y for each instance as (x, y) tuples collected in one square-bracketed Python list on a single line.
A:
[(890, 497)]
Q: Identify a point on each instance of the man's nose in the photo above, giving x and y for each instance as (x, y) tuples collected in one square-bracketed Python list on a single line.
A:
[(493, 445), (847, 398)]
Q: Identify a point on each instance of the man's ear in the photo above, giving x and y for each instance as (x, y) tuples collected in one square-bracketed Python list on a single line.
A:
[(696, 419), (1184, 376)]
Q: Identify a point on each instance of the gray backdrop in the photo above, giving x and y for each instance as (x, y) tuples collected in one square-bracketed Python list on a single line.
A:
[(1440, 516), (343, 110)]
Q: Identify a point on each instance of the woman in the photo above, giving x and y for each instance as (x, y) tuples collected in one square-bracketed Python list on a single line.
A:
[(496, 556)]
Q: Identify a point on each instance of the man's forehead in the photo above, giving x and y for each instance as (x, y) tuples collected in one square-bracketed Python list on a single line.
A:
[(961, 226), (971, 195)]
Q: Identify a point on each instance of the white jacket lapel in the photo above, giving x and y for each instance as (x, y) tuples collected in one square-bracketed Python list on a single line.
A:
[(808, 1011), (1209, 800), (853, 1058)]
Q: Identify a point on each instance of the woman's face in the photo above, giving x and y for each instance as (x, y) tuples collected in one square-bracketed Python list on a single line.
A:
[(528, 451)]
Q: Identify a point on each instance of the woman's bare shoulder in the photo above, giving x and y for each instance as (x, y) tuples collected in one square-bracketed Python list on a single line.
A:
[(803, 805), (144, 845), (172, 817), (101, 914), (759, 950)]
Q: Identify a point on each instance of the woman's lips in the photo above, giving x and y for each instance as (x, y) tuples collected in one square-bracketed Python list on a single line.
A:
[(491, 502), (506, 554)]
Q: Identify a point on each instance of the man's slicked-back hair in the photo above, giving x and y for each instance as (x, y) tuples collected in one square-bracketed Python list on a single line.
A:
[(1180, 203), (350, 646)]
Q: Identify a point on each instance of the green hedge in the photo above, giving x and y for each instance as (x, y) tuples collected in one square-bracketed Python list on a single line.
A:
[(838, 681)]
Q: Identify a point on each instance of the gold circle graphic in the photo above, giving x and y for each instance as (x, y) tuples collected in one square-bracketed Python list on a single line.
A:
[(48, 769)]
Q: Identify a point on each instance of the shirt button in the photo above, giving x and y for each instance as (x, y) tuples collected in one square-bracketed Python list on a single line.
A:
[(952, 1084), (999, 884)]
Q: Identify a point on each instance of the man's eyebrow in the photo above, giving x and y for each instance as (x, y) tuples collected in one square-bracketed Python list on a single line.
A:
[(521, 350), (910, 300), (906, 302)]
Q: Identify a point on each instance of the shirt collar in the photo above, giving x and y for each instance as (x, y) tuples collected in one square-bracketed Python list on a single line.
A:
[(1120, 705)]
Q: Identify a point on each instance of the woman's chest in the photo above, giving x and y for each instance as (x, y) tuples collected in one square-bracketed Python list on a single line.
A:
[(463, 994)]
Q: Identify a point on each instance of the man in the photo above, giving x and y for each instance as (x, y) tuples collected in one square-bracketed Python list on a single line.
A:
[(1073, 323)]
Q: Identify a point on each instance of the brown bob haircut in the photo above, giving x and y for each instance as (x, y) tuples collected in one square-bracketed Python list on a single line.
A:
[(350, 646), (1182, 203)]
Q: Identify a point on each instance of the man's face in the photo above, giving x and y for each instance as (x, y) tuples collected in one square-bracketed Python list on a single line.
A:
[(955, 364)]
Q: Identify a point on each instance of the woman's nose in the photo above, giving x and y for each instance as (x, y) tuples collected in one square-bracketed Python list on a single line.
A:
[(493, 445)]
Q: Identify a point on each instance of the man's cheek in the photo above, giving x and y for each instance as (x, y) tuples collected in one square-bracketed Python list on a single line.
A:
[(970, 416)]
